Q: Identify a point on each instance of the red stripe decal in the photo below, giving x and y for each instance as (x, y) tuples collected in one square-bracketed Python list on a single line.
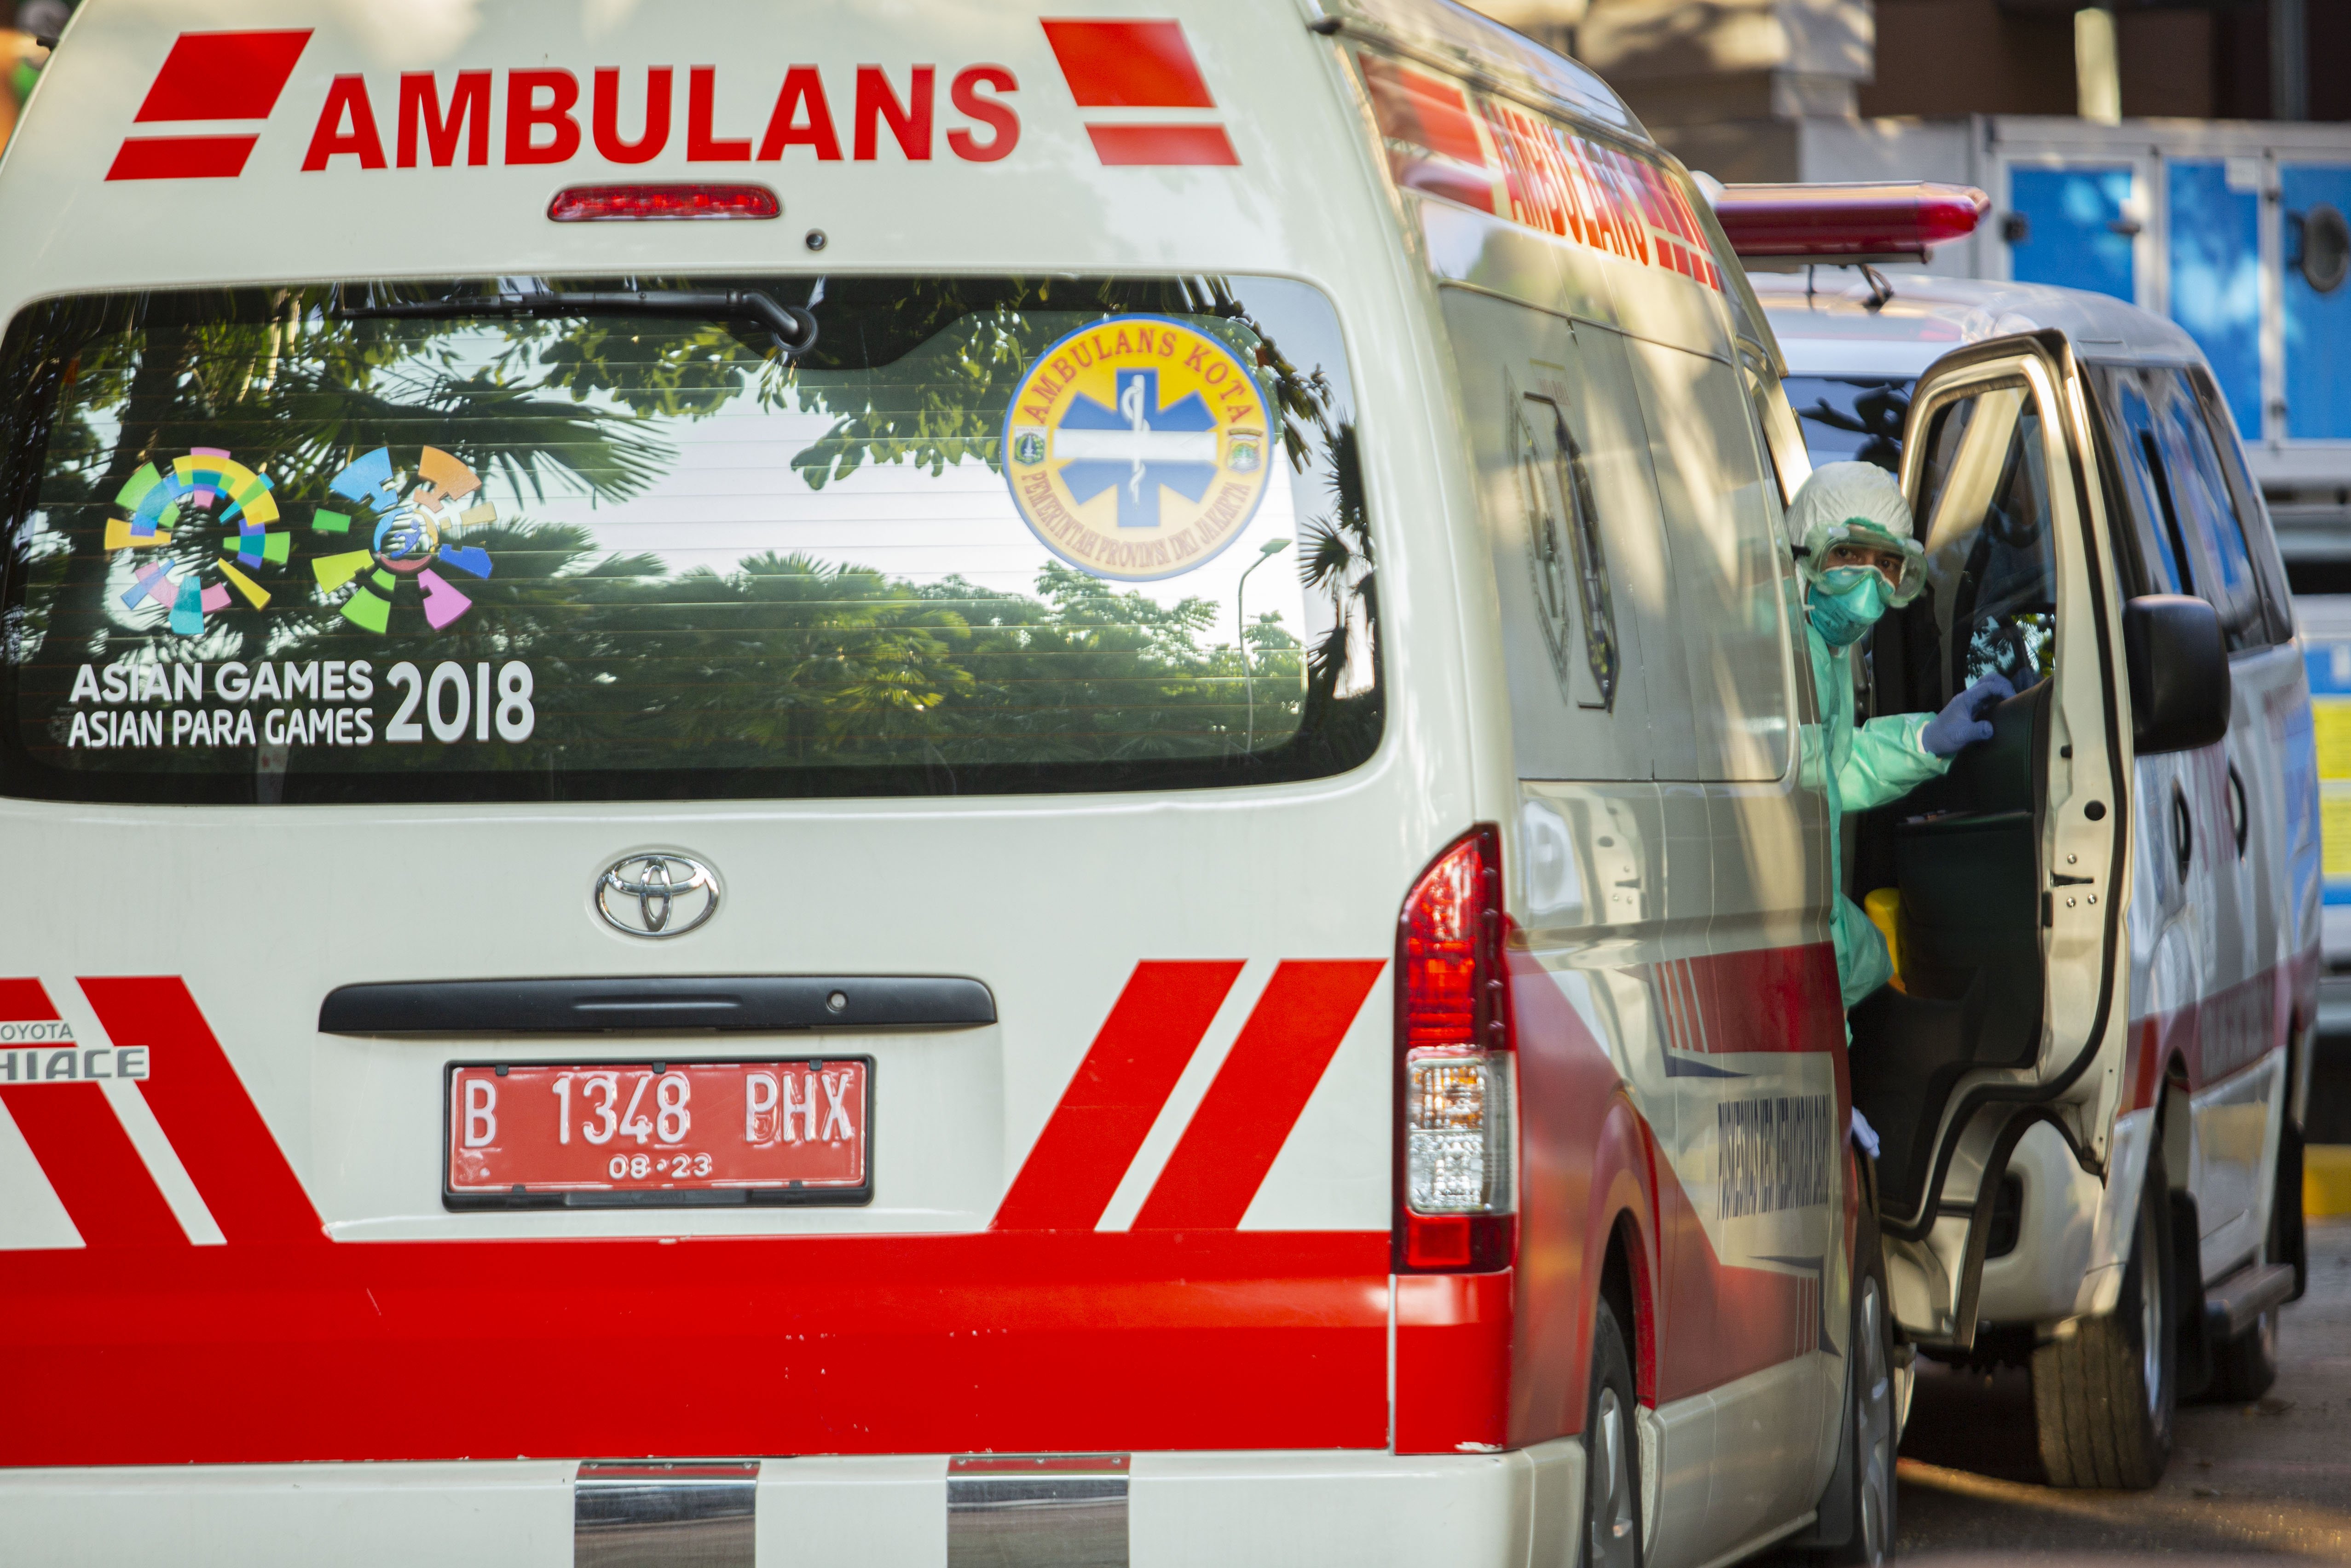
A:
[(222, 76), (1423, 110), (1162, 144), (1767, 998), (1128, 65), (1081, 1155), (26, 1002), (1257, 1095), (93, 1165), (212, 1122), (182, 158), (1027, 1342), (1453, 1362)]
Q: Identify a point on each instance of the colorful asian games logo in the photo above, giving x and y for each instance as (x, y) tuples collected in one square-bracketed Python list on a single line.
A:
[(407, 521), (1136, 448), (206, 489)]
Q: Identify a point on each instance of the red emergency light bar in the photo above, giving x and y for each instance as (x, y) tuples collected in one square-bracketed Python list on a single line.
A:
[(1847, 222), (610, 203)]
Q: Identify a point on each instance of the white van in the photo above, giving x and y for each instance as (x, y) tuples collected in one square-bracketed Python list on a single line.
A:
[(928, 785), (2168, 1188)]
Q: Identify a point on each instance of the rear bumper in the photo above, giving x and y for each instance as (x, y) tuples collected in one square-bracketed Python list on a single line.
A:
[(1169, 1511)]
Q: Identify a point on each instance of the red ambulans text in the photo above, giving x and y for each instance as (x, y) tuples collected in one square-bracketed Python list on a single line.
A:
[(552, 115)]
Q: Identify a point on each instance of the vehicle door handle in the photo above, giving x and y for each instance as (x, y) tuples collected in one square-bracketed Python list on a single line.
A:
[(2241, 816), (2183, 830)]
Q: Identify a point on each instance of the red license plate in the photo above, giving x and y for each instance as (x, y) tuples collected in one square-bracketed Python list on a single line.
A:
[(694, 1132)]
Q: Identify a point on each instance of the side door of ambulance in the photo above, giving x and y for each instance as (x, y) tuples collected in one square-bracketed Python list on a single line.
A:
[(1998, 465)]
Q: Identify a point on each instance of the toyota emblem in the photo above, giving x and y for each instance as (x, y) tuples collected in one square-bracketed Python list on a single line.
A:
[(656, 894)]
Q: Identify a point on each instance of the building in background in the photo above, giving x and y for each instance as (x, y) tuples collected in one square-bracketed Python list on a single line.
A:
[(1736, 81)]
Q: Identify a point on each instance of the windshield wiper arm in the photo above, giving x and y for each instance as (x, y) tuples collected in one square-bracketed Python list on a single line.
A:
[(793, 329)]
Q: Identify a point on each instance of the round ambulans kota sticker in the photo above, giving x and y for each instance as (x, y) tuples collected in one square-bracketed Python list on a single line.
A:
[(1137, 447)]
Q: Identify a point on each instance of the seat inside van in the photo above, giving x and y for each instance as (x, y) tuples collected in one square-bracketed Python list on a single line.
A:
[(1963, 849)]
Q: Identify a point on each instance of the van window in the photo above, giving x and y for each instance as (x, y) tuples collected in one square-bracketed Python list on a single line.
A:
[(1991, 603), (339, 543), (1852, 419), (1560, 454), (2201, 493), (2245, 502), (2138, 456), (2180, 494), (1720, 510)]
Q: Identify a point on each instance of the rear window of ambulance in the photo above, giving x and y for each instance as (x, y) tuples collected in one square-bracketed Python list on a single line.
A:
[(988, 535)]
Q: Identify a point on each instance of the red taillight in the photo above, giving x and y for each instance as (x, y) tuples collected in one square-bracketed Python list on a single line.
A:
[(622, 203), (1848, 222), (1457, 1144), (1449, 957)]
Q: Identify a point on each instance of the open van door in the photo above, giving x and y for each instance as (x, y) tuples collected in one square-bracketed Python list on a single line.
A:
[(2010, 1006)]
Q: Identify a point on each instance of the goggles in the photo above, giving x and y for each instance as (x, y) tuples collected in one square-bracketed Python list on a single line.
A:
[(1847, 552)]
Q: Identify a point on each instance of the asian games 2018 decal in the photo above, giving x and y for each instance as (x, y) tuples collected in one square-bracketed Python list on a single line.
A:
[(1137, 447)]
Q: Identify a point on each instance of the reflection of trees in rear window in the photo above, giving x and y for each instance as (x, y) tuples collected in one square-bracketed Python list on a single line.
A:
[(725, 575), (1852, 419)]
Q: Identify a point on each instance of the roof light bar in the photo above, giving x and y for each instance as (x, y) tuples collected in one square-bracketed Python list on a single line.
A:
[(623, 203), (1847, 222)]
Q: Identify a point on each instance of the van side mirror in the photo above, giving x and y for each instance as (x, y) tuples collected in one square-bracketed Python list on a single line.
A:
[(2178, 673)]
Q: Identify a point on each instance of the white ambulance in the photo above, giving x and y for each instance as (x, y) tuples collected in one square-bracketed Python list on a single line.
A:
[(934, 785), (2145, 1231)]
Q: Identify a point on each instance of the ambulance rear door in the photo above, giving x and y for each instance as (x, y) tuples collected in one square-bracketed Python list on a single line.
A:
[(777, 833)]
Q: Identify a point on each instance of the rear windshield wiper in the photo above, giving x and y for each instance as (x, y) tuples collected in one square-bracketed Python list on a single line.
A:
[(793, 329)]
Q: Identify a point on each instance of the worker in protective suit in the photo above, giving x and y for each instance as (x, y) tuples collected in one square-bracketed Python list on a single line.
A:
[(1853, 533)]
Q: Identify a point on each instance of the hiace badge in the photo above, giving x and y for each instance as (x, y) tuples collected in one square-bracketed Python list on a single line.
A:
[(1136, 448)]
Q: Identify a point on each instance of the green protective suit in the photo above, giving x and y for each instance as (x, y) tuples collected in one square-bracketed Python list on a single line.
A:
[(1873, 765)]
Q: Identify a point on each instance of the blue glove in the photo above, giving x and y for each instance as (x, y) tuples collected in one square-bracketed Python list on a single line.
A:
[(1962, 722)]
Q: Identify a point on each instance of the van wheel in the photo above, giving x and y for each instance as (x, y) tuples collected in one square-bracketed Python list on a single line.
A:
[(1612, 1452), (1871, 1413), (1856, 1522), (2104, 1394)]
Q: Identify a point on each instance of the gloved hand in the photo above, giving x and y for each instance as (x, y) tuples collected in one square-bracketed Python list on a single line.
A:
[(1962, 722)]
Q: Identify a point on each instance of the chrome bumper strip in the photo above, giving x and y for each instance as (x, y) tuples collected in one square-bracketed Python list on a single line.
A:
[(677, 1515), (1053, 1510)]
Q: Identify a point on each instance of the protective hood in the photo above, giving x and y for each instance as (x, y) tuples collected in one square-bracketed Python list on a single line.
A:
[(1856, 503)]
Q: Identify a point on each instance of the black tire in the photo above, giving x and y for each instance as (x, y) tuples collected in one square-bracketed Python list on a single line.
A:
[(1856, 1516), (1612, 1451), (2103, 1394), (1873, 1430)]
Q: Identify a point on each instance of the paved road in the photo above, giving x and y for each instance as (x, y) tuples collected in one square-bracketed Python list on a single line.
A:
[(2246, 1481)]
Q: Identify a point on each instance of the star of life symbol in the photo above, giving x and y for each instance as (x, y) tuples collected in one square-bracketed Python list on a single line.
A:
[(1135, 447), (1139, 447)]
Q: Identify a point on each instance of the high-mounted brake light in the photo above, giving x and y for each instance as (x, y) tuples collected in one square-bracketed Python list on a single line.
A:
[(622, 203), (1457, 1148), (1847, 222)]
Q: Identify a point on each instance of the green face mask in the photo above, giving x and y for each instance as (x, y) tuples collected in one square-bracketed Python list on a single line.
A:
[(1846, 602)]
